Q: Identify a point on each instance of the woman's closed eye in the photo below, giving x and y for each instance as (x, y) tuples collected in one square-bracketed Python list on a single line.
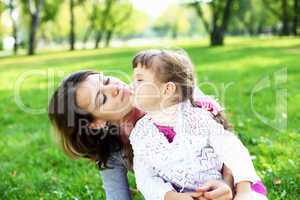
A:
[(104, 99), (107, 81), (100, 99)]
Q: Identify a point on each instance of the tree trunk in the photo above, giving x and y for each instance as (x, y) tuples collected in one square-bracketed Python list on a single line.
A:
[(216, 37), (217, 34), (14, 23), (108, 38), (15, 35), (285, 18), (296, 17), (105, 15), (200, 14), (34, 23), (32, 34), (260, 27), (174, 31), (98, 39), (72, 26), (87, 36)]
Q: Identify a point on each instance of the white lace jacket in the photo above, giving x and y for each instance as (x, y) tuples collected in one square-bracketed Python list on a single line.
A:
[(196, 155)]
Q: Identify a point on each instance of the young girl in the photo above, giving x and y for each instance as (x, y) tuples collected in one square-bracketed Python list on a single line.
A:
[(177, 145)]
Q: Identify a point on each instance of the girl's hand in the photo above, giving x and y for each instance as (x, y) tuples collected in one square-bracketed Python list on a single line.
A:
[(215, 190)]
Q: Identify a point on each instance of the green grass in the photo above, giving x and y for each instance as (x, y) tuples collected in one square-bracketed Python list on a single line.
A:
[(32, 167)]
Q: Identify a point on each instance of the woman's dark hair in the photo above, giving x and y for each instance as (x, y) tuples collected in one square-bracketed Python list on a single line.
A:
[(71, 124)]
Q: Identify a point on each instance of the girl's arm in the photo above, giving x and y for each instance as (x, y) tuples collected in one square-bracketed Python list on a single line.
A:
[(115, 179), (231, 150), (151, 186)]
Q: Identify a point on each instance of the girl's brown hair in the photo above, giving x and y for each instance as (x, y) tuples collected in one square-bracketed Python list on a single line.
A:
[(176, 67), (71, 124), (171, 66)]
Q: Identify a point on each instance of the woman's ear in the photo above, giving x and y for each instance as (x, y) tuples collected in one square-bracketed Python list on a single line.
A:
[(170, 89), (97, 124)]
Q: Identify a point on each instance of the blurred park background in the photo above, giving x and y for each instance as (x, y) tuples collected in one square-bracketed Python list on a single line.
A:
[(246, 54)]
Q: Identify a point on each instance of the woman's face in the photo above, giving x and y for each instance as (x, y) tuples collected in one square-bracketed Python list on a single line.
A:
[(106, 98)]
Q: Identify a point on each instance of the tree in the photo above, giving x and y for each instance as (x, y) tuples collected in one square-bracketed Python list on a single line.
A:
[(72, 37), (48, 17), (135, 25), (12, 10), (100, 29), (119, 14), (217, 24), (93, 16), (2, 7), (34, 9), (40, 12), (174, 20), (296, 17), (283, 11), (105, 18), (72, 26), (250, 17)]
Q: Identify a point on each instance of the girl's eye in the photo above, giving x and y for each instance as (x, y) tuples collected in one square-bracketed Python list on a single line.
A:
[(139, 80)]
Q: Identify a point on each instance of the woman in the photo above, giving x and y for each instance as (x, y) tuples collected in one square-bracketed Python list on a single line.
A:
[(94, 117)]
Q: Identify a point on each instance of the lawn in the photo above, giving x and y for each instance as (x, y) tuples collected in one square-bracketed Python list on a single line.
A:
[(268, 70)]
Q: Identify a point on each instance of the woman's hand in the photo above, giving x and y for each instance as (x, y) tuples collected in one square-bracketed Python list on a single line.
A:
[(244, 196), (214, 190), (243, 191), (172, 195)]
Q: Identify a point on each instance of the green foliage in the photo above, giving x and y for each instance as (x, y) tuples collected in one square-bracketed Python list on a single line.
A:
[(251, 17), (173, 21), (136, 23), (33, 167), (119, 14), (51, 10), (1, 10), (2, 6)]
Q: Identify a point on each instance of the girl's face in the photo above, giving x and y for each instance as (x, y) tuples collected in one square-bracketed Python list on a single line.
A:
[(147, 89), (105, 97)]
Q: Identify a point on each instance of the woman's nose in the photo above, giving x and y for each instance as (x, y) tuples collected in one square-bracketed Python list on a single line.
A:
[(113, 90)]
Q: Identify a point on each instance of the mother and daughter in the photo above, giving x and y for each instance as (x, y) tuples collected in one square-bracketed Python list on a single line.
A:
[(176, 140)]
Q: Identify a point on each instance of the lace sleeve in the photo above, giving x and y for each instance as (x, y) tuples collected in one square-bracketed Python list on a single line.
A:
[(230, 149), (151, 186)]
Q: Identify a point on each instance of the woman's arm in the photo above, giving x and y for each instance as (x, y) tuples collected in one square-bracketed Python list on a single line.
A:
[(115, 179)]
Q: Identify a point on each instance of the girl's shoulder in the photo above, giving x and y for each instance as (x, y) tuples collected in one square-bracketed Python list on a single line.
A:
[(195, 112), (142, 129)]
